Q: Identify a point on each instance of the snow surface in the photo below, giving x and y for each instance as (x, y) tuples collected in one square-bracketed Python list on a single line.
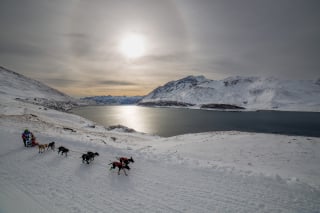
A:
[(252, 93), (205, 172), (28, 90)]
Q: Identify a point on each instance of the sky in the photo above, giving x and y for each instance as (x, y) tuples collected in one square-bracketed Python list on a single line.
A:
[(77, 46)]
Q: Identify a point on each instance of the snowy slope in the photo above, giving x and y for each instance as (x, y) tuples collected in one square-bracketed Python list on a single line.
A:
[(207, 172), (190, 173), (25, 89), (252, 93)]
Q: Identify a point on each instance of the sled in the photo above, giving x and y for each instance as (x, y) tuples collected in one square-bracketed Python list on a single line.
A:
[(29, 142)]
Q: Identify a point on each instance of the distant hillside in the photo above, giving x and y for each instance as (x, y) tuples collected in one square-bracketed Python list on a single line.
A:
[(252, 93), (18, 87), (119, 100)]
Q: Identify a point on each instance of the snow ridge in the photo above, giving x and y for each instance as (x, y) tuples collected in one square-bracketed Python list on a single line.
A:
[(252, 93)]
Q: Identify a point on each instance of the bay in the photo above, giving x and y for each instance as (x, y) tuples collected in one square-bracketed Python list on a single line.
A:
[(175, 121)]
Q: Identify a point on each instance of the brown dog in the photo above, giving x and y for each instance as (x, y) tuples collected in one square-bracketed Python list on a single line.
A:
[(42, 147), (120, 166), (125, 160)]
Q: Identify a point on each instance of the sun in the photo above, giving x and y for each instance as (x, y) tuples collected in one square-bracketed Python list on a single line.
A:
[(133, 46)]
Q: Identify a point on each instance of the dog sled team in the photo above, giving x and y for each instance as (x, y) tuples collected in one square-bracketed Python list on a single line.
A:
[(29, 140)]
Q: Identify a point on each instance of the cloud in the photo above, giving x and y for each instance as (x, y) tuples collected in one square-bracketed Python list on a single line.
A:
[(113, 83), (75, 43), (77, 35), (60, 82), (19, 48), (170, 57)]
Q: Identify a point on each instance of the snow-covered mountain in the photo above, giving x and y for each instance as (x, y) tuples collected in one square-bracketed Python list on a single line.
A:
[(113, 99), (252, 93), (222, 171), (28, 90)]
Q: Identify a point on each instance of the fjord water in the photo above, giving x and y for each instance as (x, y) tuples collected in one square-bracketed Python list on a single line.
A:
[(173, 121)]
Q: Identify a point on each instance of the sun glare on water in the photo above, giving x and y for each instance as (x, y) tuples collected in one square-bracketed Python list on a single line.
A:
[(133, 46)]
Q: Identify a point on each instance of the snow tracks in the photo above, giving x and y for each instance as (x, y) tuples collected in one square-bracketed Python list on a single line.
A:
[(48, 182)]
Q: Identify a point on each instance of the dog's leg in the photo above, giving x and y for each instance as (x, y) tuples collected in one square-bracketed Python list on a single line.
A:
[(124, 172)]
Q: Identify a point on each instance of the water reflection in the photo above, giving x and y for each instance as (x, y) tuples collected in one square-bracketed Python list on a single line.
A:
[(132, 117), (168, 122)]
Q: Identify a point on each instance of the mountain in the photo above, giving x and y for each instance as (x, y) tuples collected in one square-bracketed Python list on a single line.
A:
[(226, 171), (252, 93), (18, 87), (118, 100)]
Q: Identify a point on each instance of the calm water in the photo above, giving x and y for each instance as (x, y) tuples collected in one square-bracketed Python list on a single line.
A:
[(169, 122)]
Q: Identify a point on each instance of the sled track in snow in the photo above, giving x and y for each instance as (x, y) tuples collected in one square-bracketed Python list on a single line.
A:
[(56, 183)]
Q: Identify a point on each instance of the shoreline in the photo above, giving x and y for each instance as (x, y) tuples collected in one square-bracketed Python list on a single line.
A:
[(206, 109), (156, 130)]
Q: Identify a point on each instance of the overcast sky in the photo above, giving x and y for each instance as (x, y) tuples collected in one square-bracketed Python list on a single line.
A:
[(74, 45)]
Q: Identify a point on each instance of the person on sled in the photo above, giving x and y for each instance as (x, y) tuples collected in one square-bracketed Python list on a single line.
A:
[(28, 138)]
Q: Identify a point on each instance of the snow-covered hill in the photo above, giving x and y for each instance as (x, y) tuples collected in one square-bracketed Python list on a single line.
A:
[(207, 172), (28, 90), (252, 93)]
